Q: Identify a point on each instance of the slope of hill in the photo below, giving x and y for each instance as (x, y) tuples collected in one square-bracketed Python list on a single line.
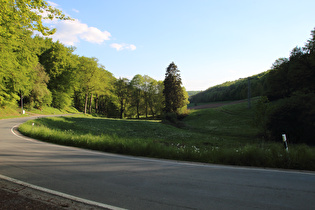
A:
[(233, 90), (192, 93)]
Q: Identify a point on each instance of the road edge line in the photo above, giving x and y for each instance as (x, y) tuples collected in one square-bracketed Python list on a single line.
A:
[(60, 194)]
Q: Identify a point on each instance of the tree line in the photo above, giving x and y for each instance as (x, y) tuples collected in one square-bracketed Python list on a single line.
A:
[(291, 88), (38, 72), (289, 85), (232, 90)]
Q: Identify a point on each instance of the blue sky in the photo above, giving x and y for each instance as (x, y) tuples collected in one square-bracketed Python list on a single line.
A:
[(210, 41)]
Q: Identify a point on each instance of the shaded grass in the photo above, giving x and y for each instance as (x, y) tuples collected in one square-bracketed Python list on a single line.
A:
[(190, 105), (223, 135)]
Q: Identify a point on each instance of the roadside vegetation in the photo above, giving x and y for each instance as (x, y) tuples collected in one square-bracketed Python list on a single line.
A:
[(224, 135), (14, 111)]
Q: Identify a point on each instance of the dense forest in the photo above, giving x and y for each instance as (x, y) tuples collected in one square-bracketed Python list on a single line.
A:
[(36, 72)]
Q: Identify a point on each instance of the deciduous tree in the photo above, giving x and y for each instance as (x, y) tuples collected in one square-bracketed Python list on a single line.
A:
[(122, 92)]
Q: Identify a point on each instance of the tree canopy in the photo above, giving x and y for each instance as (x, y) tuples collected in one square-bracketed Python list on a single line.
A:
[(40, 72), (18, 20)]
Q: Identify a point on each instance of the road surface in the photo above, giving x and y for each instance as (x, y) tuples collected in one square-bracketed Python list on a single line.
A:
[(144, 183)]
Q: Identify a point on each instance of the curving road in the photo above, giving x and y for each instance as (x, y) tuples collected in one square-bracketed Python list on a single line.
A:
[(143, 183)]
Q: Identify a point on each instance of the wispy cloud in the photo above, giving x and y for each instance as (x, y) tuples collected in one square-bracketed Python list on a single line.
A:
[(75, 10), (71, 32), (123, 46), (52, 4)]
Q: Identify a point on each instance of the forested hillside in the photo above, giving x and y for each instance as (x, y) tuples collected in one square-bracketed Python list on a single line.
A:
[(191, 93), (234, 90), (288, 76), (36, 72), (289, 85)]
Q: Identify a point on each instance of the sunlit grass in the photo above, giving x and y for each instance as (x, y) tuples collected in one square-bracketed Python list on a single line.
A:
[(9, 112), (223, 135)]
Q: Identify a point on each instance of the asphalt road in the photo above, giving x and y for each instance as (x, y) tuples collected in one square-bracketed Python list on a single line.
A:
[(143, 183)]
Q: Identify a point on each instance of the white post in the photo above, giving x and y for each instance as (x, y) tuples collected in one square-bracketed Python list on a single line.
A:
[(284, 138)]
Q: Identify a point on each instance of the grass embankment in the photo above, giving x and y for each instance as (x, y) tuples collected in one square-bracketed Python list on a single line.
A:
[(13, 112), (223, 135), (9, 112)]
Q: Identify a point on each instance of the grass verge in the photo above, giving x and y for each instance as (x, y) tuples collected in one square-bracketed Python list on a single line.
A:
[(223, 135), (13, 112)]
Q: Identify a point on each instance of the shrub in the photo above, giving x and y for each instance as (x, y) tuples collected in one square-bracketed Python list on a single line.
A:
[(294, 116)]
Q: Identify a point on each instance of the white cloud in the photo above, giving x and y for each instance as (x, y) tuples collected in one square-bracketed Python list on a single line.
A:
[(71, 32), (116, 46), (123, 46), (95, 35), (132, 47)]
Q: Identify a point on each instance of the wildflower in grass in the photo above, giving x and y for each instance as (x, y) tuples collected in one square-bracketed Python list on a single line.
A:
[(195, 149)]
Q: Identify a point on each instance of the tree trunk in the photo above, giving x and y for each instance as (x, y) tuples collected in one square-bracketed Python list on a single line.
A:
[(91, 100), (86, 100), (121, 109), (96, 103), (22, 103), (146, 105), (138, 104), (151, 107)]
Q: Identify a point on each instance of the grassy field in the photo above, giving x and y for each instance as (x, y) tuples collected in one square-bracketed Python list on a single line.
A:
[(222, 135)]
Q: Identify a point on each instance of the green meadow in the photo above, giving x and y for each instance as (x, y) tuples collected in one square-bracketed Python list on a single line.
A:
[(223, 135)]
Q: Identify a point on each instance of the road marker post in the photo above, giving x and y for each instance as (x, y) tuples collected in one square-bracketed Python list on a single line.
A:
[(284, 138)]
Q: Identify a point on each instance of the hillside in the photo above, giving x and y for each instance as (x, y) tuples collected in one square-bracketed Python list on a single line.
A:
[(192, 93), (233, 90)]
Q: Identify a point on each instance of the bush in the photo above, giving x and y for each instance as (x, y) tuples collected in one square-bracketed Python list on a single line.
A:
[(174, 119), (294, 116)]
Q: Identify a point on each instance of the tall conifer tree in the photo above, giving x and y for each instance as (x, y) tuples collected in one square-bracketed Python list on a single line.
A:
[(173, 92)]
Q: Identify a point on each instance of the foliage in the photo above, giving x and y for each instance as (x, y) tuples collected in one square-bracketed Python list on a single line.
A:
[(192, 93), (175, 97), (26, 14), (60, 65), (18, 19), (122, 91), (289, 85), (291, 82), (40, 95), (88, 77), (232, 90), (294, 116), (293, 75)]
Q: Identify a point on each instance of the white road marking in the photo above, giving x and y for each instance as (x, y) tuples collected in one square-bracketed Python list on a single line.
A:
[(63, 195)]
